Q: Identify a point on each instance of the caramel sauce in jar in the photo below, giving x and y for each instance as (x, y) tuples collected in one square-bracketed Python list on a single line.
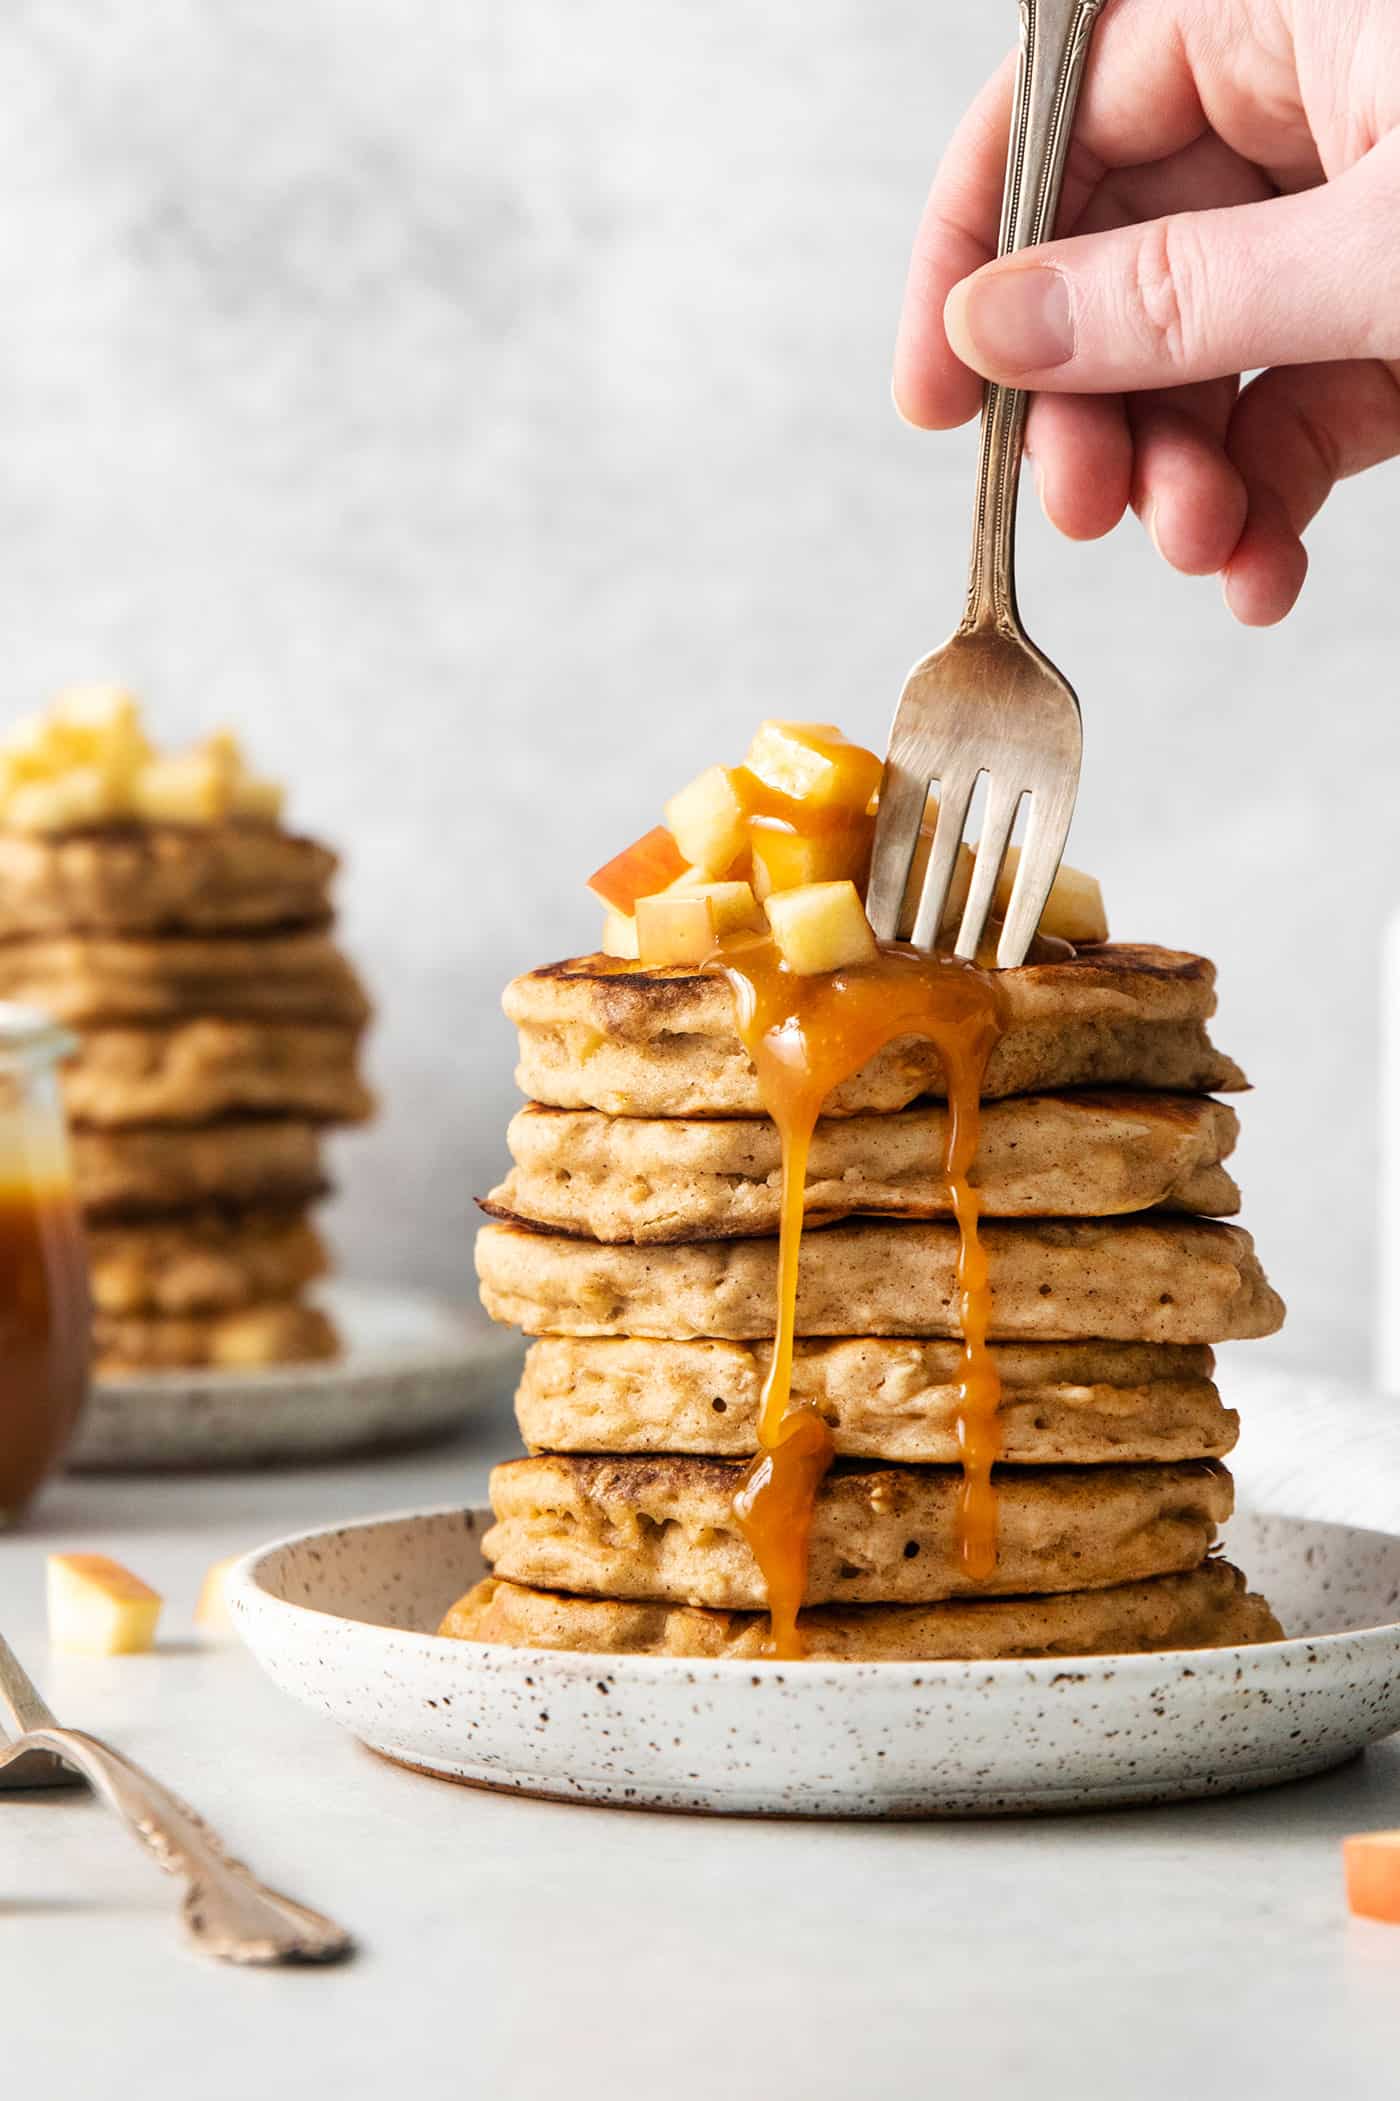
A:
[(45, 1316), (806, 1036)]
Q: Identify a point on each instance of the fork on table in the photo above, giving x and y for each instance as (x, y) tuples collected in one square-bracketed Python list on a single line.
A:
[(228, 1912)]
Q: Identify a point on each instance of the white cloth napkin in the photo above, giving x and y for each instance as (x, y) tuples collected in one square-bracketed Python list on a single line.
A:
[(1313, 1446)]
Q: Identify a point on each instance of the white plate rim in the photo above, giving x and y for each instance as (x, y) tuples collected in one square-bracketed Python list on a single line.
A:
[(244, 1590)]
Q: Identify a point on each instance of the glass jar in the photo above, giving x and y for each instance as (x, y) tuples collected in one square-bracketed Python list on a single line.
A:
[(45, 1313)]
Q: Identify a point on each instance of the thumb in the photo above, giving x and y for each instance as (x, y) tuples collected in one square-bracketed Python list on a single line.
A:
[(1296, 280)]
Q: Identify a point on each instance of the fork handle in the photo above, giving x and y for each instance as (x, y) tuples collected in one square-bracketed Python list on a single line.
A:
[(228, 1912), (1054, 45)]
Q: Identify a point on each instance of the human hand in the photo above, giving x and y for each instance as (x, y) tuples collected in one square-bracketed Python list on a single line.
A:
[(1268, 134)]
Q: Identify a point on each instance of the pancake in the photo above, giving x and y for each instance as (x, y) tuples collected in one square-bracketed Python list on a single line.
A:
[(195, 1071), (140, 879), (1129, 1280), (596, 1033), (206, 1262), (649, 1180), (1205, 1608), (663, 1529), (85, 978), (1063, 1403), (255, 1161), (278, 1331)]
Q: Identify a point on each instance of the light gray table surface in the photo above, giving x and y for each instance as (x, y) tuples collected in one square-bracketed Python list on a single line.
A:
[(513, 1948)]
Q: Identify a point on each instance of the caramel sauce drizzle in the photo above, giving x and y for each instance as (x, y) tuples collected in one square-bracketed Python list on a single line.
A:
[(806, 1036)]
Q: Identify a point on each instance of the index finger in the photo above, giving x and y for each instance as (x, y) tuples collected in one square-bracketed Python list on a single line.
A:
[(957, 234)]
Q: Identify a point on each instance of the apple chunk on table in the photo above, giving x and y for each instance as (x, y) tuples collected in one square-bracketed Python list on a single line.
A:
[(98, 1608), (1372, 1861)]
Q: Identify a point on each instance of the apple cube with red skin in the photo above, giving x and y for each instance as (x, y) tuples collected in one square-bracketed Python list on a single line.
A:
[(650, 864), (821, 927)]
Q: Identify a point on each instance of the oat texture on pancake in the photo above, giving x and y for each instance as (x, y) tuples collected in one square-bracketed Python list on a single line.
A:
[(156, 904), (872, 1294)]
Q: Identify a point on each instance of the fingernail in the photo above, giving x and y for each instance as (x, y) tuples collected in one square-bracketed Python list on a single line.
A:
[(1011, 321), (1150, 521)]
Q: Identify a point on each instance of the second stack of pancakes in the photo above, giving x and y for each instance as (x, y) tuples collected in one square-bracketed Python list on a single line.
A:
[(218, 1032), (635, 1239)]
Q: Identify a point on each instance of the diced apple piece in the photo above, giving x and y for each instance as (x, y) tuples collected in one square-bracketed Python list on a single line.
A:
[(1074, 909), (100, 726), (733, 907), (211, 1613), (620, 936), (190, 787), (821, 927), (255, 800), (224, 750), (812, 763), (641, 870), (674, 929), (30, 743), (684, 934), (62, 804), (98, 711), (709, 822), (913, 889), (98, 1608), (786, 859), (1372, 1863)]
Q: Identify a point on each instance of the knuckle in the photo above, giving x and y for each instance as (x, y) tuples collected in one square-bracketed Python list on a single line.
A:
[(1161, 292)]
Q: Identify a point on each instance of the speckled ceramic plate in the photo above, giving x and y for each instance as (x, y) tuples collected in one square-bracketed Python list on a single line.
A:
[(341, 1620), (413, 1368)]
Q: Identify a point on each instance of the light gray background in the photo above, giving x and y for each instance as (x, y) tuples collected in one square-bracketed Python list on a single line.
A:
[(486, 408)]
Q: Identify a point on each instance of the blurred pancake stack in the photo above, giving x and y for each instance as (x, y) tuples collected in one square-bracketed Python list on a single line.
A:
[(155, 906), (637, 1240)]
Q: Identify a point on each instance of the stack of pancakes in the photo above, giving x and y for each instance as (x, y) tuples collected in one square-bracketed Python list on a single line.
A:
[(219, 1031), (635, 1238)]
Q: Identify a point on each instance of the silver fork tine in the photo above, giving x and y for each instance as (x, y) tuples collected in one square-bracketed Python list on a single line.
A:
[(903, 799), (22, 1707), (1039, 865), (1002, 805), (989, 701), (954, 798)]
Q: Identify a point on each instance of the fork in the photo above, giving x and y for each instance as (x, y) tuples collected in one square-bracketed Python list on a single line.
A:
[(989, 702), (228, 1912)]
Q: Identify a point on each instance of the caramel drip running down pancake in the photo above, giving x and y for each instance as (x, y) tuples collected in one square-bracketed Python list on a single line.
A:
[(807, 1036)]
